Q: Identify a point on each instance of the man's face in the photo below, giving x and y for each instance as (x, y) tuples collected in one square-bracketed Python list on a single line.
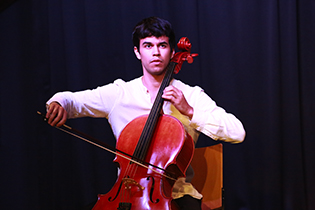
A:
[(155, 54)]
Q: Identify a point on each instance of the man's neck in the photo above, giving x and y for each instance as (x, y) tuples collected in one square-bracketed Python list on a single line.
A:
[(152, 83)]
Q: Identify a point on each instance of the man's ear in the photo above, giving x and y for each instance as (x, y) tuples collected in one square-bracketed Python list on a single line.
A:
[(137, 53), (173, 53)]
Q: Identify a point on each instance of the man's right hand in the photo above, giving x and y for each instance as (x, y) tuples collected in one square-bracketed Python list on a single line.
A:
[(56, 115)]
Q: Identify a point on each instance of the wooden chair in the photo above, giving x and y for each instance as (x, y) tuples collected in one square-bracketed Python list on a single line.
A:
[(208, 180)]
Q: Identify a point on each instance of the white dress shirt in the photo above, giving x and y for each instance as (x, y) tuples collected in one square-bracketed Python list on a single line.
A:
[(121, 102)]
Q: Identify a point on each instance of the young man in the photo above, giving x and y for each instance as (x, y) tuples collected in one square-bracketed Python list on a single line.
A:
[(121, 102)]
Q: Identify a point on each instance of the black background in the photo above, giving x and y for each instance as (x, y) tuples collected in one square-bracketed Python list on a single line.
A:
[(256, 59)]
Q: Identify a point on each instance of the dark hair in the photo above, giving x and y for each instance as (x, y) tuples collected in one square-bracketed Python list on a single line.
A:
[(153, 26)]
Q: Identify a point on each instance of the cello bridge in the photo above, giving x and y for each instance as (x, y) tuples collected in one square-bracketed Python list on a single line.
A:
[(128, 182)]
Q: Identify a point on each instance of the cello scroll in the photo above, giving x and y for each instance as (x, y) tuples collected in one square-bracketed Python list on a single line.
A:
[(185, 46)]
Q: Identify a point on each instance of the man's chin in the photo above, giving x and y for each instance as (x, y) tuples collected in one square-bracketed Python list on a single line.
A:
[(157, 72)]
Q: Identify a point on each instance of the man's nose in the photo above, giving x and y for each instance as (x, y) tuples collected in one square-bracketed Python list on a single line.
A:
[(156, 50)]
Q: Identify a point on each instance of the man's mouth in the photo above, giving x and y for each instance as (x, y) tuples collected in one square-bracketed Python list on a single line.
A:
[(157, 61)]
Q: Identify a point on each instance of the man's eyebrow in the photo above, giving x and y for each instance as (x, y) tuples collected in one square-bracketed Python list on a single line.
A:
[(164, 42), (144, 43)]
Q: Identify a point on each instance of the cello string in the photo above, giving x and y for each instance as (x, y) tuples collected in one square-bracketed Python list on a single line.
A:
[(147, 133), (149, 128)]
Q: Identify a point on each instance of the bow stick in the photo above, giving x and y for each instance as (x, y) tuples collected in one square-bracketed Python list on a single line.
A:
[(67, 129)]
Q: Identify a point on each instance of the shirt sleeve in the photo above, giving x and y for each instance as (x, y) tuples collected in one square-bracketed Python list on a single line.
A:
[(214, 121), (88, 103)]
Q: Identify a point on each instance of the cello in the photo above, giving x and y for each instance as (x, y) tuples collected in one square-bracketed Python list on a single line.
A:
[(161, 152)]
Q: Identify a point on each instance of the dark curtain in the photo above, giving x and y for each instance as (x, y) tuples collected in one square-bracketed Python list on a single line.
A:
[(256, 59)]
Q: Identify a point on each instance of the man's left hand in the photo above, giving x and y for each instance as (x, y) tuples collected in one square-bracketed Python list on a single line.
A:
[(177, 98)]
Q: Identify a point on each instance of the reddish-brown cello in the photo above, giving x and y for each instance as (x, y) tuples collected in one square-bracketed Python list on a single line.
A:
[(160, 140)]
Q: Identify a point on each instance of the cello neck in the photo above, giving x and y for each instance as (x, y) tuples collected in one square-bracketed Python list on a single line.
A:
[(149, 128)]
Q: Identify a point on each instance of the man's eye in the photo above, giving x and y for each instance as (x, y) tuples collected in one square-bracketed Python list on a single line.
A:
[(147, 46)]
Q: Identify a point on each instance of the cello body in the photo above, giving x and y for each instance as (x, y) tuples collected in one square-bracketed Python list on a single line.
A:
[(171, 148)]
